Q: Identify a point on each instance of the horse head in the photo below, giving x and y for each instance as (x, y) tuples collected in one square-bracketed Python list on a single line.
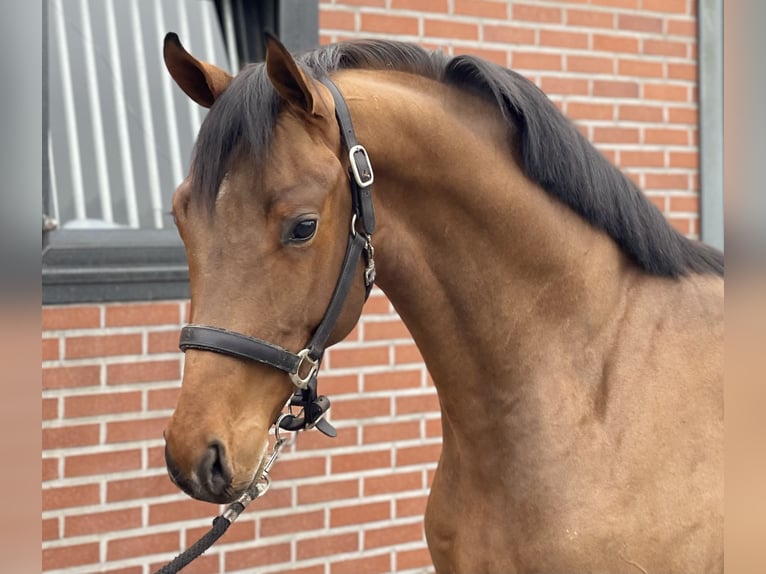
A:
[(264, 216)]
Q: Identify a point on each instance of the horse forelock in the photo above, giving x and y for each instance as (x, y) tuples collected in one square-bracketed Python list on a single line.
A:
[(555, 155)]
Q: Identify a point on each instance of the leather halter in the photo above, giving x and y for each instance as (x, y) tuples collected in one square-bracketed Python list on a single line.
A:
[(302, 367)]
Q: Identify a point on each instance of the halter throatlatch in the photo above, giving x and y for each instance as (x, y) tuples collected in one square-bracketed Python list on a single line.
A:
[(302, 367)]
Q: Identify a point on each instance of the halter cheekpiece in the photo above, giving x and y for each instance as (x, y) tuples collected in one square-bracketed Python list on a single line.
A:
[(303, 367)]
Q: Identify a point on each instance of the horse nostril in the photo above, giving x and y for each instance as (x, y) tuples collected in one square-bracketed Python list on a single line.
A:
[(214, 471)]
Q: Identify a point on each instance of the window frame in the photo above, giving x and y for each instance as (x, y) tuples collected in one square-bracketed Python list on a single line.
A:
[(96, 266)]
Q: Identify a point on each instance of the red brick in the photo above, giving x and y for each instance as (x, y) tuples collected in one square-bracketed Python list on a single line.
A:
[(336, 20), (506, 34), (299, 468), (390, 432), (499, 57), (615, 89), (640, 113), (358, 357), (71, 377), (536, 61), (412, 506), (666, 136), (143, 372), (326, 491), (613, 43), (683, 225), (50, 530), (383, 330), (156, 457), (389, 24), (121, 548), (70, 436), (683, 116), (666, 181), (658, 201), (135, 488), (377, 305), (450, 29), (411, 455), (684, 203), (392, 380), (359, 461), (339, 384), (394, 482), (135, 430), (360, 408), (259, 556), (682, 72), (640, 158), (315, 440), (589, 64), (360, 514), (138, 314), (413, 559), (433, 428), (563, 39), (50, 469), (559, 85), (639, 23), (481, 8), (60, 318), (367, 565), (534, 13), (379, 3), (327, 545), (50, 408), (101, 404), (102, 522), (589, 111), (163, 341), (163, 399), (102, 346), (616, 3), (641, 68), (420, 5), (406, 354), (393, 535), (682, 27), (688, 159), (278, 498), (666, 92), (590, 18), (610, 134), (421, 403), (50, 349), (665, 48), (665, 6), (70, 496), (298, 522), (101, 463), (70, 556)]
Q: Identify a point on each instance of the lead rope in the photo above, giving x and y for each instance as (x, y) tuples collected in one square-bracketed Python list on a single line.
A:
[(221, 523)]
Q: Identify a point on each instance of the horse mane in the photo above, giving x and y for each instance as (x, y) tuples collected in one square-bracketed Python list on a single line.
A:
[(554, 154)]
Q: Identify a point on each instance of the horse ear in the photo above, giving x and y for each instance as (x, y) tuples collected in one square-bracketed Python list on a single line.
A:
[(295, 87), (201, 81)]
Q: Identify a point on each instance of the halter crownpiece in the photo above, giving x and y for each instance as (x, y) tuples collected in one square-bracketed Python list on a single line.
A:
[(302, 367)]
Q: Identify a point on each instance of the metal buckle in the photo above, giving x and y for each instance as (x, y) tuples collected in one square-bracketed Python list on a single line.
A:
[(303, 382), (363, 175)]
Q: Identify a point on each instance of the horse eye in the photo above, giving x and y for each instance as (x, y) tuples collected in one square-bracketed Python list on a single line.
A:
[(303, 230)]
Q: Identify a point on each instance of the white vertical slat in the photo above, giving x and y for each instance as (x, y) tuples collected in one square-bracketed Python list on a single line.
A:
[(120, 106), (99, 145), (193, 107), (70, 116), (53, 188), (170, 109), (146, 119), (231, 36)]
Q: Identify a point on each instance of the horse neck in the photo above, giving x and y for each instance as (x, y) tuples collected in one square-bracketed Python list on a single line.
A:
[(487, 271)]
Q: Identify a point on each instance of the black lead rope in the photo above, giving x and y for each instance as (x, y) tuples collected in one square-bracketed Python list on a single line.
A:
[(220, 524)]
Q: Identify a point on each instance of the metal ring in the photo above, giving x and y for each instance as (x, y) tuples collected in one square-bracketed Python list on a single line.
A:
[(303, 382)]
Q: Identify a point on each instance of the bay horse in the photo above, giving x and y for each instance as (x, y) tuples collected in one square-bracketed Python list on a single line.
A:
[(573, 336)]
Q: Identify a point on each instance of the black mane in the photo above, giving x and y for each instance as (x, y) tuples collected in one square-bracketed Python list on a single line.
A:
[(554, 153)]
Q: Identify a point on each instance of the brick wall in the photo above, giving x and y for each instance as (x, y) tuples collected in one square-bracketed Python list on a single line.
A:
[(625, 70)]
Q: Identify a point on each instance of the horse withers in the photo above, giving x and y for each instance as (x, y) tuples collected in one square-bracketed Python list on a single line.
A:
[(565, 324)]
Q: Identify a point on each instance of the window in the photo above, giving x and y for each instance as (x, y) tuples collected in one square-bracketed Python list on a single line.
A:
[(120, 133)]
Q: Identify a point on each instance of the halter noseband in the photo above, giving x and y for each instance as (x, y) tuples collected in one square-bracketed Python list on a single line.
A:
[(302, 367)]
